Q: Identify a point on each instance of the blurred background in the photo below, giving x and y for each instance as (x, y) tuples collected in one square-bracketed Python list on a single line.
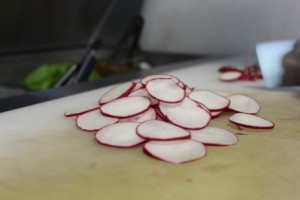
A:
[(52, 43)]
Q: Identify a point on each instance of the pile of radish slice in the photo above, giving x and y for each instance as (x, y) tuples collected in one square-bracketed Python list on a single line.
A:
[(168, 117)]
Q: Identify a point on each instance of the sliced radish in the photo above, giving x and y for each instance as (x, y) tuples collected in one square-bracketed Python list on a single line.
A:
[(148, 115), (215, 114), (159, 130), (143, 93), (213, 101), (250, 121), (165, 90), (138, 85), (230, 76), (188, 91), (126, 107), (119, 135), (176, 152), (159, 114), (119, 91), (145, 80), (186, 114), (243, 104), (214, 136), (182, 85), (94, 120), (80, 111)]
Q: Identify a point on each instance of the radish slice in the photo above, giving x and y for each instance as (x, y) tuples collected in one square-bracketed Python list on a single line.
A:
[(94, 120), (213, 101), (137, 86), (215, 114), (250, 121), (143, 93), (165, 90), (159, 114), (188, 91), (148, 115), (243, 104), (230, 76), (119, 135), (119, 91), (126, 107), (186, 114), (176, 152), (159, 130), (214, 136), (80, 111), (145, 80)]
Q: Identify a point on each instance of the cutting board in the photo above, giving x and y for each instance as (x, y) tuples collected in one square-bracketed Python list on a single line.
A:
[(44, 156)]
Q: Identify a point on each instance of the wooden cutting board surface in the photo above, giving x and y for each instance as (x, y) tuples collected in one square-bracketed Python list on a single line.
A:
[(44, 156)]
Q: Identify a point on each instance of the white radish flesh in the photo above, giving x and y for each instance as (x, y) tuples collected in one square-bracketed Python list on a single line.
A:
[(176, 152), (143, 93), (230, 76), (126, 107), (215, 114), (80, 111), (213, 101), (145, 80), (214, 136), (94, 120), (148, 115), (243, 104), (165, 90), (186, 114), (119, 91), (121, 135), (159, 130), (250, 121)]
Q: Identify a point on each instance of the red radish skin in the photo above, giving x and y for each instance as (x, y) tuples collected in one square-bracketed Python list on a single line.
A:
[(80, 111), (211, 100), (186, 114), (117, 92), (214, 136), (121, 135), (230, 76), (243, 104), (145, 116), (175, 152), (161, 131), (126, 107), (145, 80), (93, 121), (251, 121), (165, 90)]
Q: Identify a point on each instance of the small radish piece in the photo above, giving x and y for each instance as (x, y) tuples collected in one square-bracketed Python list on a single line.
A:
[(176, 152), (126, 107), (215, 114), (145, 80), (214, 136), (250, 121), (230, 76), (143, 93), (213, 101), (182, 85), (119, 91), (94, 120), (138, 85), (243, 104), (80, 111), (186, 114), (165, 90), (159, 130), (121, 135), (148, 115)]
